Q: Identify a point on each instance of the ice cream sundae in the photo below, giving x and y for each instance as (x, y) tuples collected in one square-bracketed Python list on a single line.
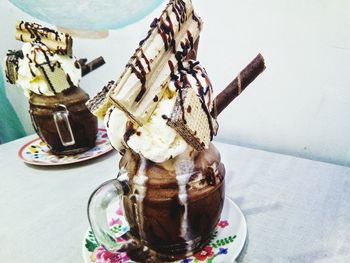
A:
[(49, 75), (161, 116)]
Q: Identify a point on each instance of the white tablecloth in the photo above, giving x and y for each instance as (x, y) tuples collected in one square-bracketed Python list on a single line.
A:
[(297, 210)]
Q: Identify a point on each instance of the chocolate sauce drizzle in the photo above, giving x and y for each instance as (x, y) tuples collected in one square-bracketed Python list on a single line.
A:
[(166, 30), (110, 110), (145, 59), (129, 131), (141, 75), (179, 9), (48, 79), (196, 18)]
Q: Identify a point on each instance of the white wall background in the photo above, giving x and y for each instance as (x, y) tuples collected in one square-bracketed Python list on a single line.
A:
[(300, 105)]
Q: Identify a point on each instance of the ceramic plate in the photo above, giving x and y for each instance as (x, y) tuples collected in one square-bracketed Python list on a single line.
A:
[(227, 242), (36, 152)]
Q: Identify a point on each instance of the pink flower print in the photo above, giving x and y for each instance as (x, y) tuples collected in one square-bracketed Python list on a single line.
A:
[(114, 222), (101, 142), (104, 256), (206, 252), (120, 211), (223, 223), (120, 239)]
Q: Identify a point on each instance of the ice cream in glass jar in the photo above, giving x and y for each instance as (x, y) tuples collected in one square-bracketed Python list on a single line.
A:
[(49, 74)]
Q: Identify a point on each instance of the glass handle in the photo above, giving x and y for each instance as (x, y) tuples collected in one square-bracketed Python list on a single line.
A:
[(99, 202), (60, 116)]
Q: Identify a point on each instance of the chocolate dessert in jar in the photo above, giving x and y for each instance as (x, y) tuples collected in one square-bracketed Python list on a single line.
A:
[(50, 76), (168, 216)]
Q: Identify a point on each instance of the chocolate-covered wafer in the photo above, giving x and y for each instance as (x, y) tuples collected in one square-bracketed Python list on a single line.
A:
[(99, 104), (11, 65), (58, 42), (244, 78), (168, 42), (191, 119)]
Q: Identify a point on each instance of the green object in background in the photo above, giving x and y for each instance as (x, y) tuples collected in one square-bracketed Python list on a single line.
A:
[(10, 126)]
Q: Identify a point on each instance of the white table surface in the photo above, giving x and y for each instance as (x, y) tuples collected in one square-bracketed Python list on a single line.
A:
[(297, 210)]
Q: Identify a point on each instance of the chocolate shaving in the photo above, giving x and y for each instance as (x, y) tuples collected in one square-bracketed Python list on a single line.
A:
[(244, 78)]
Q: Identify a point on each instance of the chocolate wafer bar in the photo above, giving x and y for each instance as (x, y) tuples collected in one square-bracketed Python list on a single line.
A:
[(11, 65), (191, 119), (99, 104)]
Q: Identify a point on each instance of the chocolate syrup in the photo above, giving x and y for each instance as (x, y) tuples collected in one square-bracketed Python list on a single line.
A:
[(195, 18), (110, 110), (173, 76), (141, 75), (48, 80), (145, 59), (129, 131)]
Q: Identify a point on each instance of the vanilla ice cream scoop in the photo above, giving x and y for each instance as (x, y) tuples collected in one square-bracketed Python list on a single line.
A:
[(45, 72), (155, 140)]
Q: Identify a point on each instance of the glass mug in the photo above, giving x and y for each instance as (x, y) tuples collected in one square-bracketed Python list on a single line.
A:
[(63, 121), (171, 208)]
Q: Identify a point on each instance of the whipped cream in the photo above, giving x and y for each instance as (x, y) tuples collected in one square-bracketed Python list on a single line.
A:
[(156, 141), (32, 79)]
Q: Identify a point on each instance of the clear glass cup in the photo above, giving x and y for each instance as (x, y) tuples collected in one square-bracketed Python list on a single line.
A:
[(171, 208)]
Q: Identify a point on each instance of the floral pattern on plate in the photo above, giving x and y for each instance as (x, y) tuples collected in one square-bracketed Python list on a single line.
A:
[(36, 152)]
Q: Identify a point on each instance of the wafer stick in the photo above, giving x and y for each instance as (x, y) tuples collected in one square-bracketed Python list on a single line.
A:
[(86, 68), (54, 40), (244, 78)]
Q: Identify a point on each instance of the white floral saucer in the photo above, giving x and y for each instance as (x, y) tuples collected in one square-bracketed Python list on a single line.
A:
[(36, 152)]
